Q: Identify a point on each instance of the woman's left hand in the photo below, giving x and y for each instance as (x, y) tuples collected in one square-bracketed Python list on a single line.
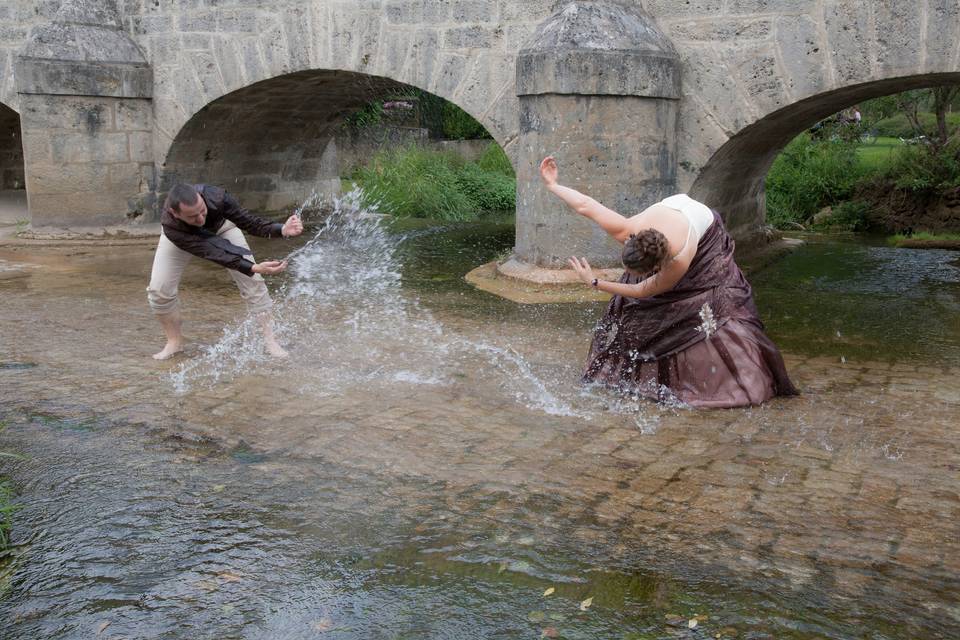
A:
[(292, 227), (582, 267)]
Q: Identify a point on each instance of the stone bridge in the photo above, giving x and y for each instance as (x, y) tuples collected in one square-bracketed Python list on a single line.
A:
[(113, 100)]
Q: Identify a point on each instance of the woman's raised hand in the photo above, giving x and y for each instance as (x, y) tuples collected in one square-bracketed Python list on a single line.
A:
[(549, 171), (583, 269)]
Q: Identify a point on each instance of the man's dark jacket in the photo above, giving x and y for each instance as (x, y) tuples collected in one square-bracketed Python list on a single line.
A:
[(204, 241)]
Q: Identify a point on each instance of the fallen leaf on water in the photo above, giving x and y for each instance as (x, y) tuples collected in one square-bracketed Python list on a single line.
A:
[(503, 567), (550, 632), (692, 623), (586, 604), (323, 624), (549, 591), (226, 576), (558, 617), (536, 616), (217, 488), (207, 585), (103, 625)]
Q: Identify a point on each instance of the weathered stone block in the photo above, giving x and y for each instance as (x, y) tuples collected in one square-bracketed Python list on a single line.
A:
[(723, 29), (474, 11), (201, 22), (66, 178), (472, 37), (141, 146), (803, 56), (898, 33), (93, 208), (134, 115), (237, 21), (672, 8), (126, 179), (207, 72), (772, 6), (53, 77), (150, 25), (449, 73), (943, 30), (852, 48), (36, 147), (405, 11), (759, 77), (74, 113), (69, 148), (535, 11)]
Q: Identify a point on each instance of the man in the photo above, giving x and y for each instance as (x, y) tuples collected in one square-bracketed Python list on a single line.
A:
[(203, 220)]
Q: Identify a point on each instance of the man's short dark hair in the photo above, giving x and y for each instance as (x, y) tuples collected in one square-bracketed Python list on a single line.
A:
[(181, 193)]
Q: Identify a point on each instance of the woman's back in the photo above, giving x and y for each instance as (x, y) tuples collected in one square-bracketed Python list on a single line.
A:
[(678, 218)]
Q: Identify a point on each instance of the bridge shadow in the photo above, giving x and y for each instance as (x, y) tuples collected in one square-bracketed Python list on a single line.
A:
[(13, 194)]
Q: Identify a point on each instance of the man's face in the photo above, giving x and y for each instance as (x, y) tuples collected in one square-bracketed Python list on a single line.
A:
[(195, 214)]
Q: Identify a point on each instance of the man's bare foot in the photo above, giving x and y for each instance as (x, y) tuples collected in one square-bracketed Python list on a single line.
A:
[(171, 349), (274, 349)]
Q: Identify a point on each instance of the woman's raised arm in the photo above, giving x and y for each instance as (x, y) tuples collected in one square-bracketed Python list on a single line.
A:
[(608, 219)]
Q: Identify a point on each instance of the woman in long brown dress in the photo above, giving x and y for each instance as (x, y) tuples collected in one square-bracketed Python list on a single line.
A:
[(682, 321)]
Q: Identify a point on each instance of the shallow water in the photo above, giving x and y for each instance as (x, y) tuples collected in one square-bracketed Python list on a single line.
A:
[(426, 465)]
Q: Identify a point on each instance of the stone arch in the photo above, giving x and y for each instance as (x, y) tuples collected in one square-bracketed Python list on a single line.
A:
[(13, 193), (733, 179), (273, 142)]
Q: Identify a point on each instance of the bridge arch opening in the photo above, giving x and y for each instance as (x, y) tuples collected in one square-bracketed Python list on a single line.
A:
[(13, 191), (276, 141), (733, 180)]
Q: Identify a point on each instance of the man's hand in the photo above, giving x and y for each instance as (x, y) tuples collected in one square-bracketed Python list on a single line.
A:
[(292, 227), (582, 267), (549, 171), (269, 267)]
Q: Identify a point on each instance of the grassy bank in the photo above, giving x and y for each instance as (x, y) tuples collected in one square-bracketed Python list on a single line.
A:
[(854, 185), (924, 240), (418, 183)]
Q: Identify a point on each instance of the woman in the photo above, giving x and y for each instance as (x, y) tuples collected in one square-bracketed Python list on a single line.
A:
[(682, 317)]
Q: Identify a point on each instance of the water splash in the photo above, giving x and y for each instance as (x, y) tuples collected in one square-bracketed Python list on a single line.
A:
[(350, 324)]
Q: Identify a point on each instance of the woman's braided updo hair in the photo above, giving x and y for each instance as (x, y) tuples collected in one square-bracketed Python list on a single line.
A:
[(645, 251)]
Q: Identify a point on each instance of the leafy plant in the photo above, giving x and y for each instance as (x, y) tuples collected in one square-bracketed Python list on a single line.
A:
[(809, 175), (925, 169), (415, 182)]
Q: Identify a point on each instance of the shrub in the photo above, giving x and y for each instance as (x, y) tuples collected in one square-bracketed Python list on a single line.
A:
[(808, 176), (922, 168), (848, 216), (488, 190), (414, 182), (495, 160)]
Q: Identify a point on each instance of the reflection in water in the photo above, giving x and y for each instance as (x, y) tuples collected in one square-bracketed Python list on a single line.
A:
[(180, 539)]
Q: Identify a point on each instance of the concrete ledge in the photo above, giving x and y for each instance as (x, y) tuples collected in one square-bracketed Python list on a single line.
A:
[(528, 284), (99, 236)]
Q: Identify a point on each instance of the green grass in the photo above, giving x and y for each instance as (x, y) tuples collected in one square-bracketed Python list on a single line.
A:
[(878, 154), (924, 237)]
